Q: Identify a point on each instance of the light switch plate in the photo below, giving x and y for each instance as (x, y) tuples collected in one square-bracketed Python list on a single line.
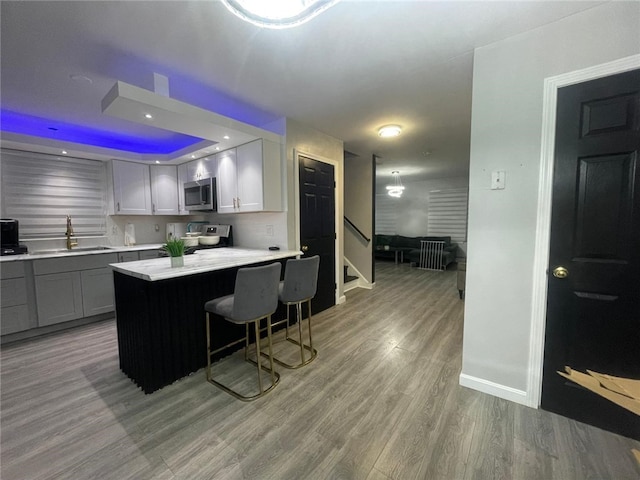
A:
[(498, 178)]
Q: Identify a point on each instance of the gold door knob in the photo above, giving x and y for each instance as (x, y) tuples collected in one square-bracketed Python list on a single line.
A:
[(560, 272), (304, 248)]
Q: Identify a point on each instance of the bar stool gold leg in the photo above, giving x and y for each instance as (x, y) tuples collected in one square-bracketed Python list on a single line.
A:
[(310, 339), (299, 314), (270, 343), (208, 349), (258, 363)]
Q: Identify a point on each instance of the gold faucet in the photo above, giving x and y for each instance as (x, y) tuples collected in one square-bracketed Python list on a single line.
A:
[(69, 234)]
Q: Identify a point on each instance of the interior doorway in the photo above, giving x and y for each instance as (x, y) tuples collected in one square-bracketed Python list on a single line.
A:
[(318, 225), (593, 308)]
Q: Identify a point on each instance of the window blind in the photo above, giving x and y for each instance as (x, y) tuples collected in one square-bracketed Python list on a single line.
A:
[(41, 190), (385, 215), (447, 214)]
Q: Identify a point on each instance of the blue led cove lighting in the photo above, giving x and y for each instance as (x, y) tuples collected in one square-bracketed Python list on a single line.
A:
[(23, 124)]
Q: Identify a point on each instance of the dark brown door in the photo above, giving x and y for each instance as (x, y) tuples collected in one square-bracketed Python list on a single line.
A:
[(318, 226), (593, 313)]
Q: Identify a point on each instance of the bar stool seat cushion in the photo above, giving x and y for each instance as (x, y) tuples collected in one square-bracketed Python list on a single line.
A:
[(253, 298), (222, 306)]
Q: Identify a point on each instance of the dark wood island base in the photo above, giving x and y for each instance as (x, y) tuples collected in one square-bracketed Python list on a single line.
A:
[(161, 325)]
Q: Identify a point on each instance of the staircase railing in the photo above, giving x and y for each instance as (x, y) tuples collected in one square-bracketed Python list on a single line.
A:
[(356, 230)]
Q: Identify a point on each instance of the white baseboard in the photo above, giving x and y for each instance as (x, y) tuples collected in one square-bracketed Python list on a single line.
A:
[(495, 389)]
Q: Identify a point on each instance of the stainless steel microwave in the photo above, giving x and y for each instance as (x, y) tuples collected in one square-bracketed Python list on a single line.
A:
[(201, 195)]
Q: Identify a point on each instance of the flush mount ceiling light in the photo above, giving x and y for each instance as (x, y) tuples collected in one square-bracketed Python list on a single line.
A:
[(280, 14), (389, 131), (397, 188)]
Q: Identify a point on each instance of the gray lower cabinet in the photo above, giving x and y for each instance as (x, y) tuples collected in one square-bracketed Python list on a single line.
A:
[(74, 287), (127, 257), (149, 254), (15, 309), (97, 291), (58, 297)]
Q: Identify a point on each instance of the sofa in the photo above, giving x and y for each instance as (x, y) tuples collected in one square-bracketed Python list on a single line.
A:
[(386, 246)]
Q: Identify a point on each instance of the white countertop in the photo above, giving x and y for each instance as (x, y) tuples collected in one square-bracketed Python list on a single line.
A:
[(200, 262), (60, 253)]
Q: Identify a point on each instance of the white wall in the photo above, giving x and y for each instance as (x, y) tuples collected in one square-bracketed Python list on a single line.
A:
[(358, 173), (506, 135), (148, 228), (256, 230), (411, 210)]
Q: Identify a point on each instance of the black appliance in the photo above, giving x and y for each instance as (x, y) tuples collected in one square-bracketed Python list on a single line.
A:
[(10, 237), (201, 195)]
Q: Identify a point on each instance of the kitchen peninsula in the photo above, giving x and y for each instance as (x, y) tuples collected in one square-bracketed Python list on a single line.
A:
[(160, 311)]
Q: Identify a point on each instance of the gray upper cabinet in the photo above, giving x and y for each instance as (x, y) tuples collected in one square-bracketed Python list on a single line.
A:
[(250, 178), (131, 188), (164, 189)]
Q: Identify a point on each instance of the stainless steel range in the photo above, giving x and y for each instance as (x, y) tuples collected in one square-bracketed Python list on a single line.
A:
[(223, 232), (212, 236)]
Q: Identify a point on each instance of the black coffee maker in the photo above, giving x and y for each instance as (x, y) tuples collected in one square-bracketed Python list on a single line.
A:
[(10, 236)]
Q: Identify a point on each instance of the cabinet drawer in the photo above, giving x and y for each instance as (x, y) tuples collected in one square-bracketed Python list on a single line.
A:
[(148, 254), (14, 319), (12, 270), (127, 256), (14, 292), (70, 264)]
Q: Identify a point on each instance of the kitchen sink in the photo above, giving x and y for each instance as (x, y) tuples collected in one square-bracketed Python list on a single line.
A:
[(64, 250)]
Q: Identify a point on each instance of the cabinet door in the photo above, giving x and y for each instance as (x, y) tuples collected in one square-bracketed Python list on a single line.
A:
[(97, 291), (250, 186), (14, 319), (227, 183), (131, 188), (58, 297), (183, 177), (14, 292), (15, 311), (202, 168), (164, 189)]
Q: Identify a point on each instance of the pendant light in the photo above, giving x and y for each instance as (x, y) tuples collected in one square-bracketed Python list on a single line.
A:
[(397, 188)]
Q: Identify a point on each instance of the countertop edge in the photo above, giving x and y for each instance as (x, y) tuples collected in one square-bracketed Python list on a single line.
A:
[(109, 249), (206, 263)]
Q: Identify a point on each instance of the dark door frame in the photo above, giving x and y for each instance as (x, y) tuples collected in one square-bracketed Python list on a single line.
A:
[(543, 230), (338, 213)]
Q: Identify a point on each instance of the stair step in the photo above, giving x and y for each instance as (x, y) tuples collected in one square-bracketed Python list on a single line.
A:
[(348, 278)]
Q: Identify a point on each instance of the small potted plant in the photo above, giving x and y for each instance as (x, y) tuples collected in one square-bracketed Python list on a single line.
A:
[(175, 248)]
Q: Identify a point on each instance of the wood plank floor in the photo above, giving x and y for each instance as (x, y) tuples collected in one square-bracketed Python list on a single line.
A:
[(380, 402)]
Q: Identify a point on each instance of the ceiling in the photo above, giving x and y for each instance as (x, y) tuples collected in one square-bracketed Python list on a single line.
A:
[(354, 68)]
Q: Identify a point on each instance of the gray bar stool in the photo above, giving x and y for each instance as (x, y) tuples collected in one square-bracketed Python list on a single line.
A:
[(255, 297), (299, 286)]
